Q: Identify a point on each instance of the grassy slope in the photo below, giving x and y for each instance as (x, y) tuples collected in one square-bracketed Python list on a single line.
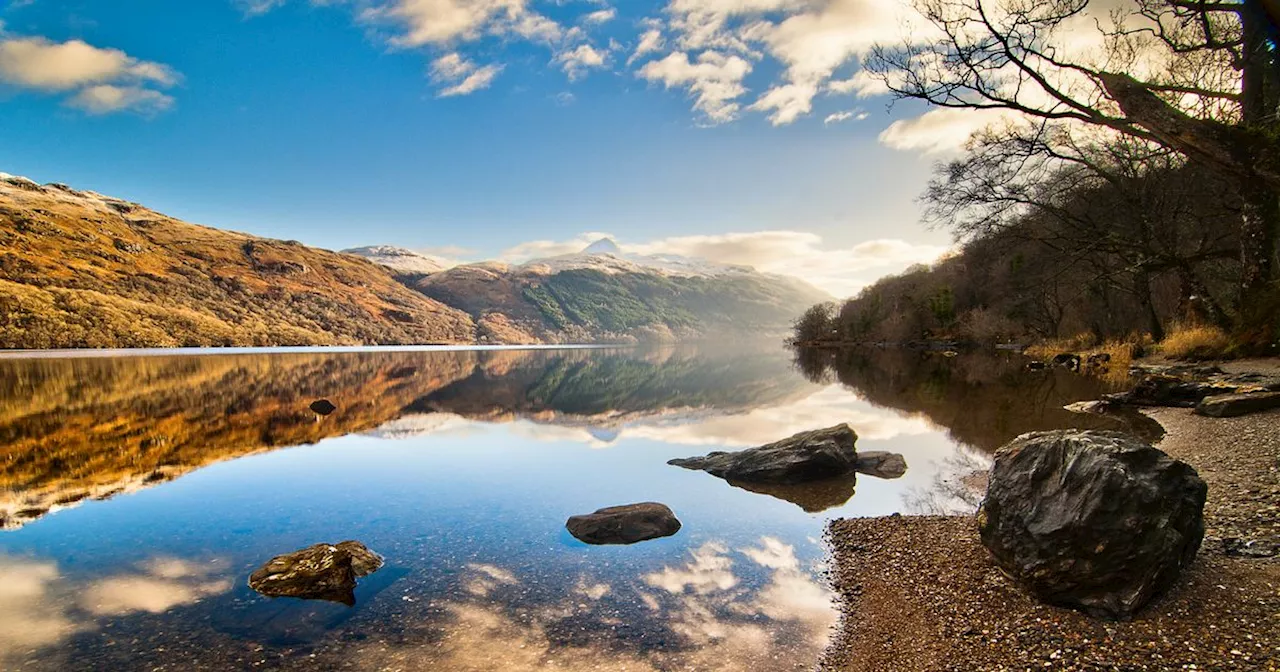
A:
[(81, 270)]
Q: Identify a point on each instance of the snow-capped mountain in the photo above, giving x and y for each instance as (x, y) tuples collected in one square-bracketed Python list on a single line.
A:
[(400, 259), (605, 256)]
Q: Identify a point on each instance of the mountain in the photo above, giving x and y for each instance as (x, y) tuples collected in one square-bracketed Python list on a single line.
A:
[(399, 259), (603, 294), (83, 270), (79, 269)]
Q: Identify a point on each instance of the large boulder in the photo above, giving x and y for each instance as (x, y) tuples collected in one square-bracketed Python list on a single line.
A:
[(320, 572), (1233, 405), (1093, 520), (627, 524), (809, 456)]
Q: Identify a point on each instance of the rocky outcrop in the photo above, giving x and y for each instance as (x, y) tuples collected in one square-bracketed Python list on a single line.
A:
[(881, 464), (1160, 389), (1098, 521), (808, 456), (1233, 405), (320, 572), (627, 524)]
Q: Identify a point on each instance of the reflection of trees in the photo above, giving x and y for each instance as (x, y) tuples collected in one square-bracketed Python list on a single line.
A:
[(72, 429), (983, 399)]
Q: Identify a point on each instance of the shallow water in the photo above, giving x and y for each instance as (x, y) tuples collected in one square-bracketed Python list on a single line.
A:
[(138, 493)]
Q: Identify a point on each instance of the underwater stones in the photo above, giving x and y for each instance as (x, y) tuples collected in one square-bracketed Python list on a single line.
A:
[(319, 572)]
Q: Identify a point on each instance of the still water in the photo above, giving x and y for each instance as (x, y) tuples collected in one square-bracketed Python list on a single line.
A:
[(138, 493)]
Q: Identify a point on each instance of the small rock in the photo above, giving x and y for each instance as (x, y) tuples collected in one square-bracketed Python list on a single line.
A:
[(881, 464), (323, 407), (320, 572), (625, 524), (1234, 405)]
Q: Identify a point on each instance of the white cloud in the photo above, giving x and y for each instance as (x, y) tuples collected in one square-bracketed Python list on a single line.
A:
[(107, 98), (845, 115), (105, 80), (444, 22), (252, 8), (714, 80), (600, 16), (841, 271), (461, 76), (578, 60), (786, 103), (938, 130), (862, 85), (650, 41)]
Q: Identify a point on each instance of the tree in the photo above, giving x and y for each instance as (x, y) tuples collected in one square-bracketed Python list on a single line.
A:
[(1198, 77), (816, 324)]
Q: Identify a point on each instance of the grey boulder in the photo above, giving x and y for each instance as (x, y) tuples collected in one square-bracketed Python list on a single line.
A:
[(881, 464), (1093, 520), (627, 524), (1233, 405), (319, 572), (809, 456)]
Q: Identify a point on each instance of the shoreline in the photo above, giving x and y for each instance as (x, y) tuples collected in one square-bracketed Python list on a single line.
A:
[(920, 593)]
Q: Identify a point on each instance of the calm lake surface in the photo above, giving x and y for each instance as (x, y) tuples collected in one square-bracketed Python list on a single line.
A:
[(138, 493)]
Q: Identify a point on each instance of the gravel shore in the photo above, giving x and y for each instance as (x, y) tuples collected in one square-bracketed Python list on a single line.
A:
[(920, 593)]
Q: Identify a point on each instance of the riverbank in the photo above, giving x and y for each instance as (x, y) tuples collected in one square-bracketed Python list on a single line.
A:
[(920, 593)]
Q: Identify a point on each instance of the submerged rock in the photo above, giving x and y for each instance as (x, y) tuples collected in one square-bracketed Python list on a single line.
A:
[(627, 524), (881, 464), (1098, 521), (808, 456), (320, 572), (323, 407), (1233, 405)]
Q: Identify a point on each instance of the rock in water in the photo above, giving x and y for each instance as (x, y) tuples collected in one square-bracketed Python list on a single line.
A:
[(881, 464), (323, 407), (1233, 405), (808, 456), (626, 524), (1098, 521), (320, 572)]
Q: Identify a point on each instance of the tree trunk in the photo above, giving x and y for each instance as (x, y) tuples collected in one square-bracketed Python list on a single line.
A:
[(1259, 225), (1142, 289)]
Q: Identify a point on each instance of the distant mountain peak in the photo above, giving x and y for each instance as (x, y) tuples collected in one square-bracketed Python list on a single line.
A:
[(604, 246)]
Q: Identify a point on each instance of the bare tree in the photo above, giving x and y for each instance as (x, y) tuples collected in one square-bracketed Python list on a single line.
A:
[(1198, 77)]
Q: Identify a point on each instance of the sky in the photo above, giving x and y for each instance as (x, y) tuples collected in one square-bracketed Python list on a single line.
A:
[(741, 131)]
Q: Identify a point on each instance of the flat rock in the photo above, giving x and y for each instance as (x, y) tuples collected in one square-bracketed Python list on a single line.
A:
[(627, 524), (1098, 521), (319, 572), (807, 456), (881, 464), (1234, 405)]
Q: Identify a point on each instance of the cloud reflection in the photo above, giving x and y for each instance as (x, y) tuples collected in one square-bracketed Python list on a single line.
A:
[(40, 608), (719, 610)]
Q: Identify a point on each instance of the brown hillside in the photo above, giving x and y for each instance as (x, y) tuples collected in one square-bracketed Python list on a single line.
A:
[(78, 269)]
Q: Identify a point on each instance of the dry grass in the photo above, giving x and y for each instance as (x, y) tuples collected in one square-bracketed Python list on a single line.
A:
[(1047, 350), (1196, 343)]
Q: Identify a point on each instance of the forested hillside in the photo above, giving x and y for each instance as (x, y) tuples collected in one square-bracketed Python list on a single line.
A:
[(1126, 188)]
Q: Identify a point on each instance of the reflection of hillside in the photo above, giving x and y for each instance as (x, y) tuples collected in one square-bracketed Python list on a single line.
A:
[(982, 399), (78, 428), (72, 429)]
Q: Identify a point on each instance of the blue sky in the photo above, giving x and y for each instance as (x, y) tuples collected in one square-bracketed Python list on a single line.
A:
[(486, 128)]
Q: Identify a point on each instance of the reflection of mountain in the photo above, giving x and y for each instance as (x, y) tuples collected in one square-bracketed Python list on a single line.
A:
[(982, 399), (72, 429)]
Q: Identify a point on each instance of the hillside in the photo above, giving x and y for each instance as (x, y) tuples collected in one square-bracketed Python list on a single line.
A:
[(78, 269), (599, 294)]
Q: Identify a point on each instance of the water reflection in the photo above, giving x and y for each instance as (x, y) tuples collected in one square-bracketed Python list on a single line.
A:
[(460, 468)]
